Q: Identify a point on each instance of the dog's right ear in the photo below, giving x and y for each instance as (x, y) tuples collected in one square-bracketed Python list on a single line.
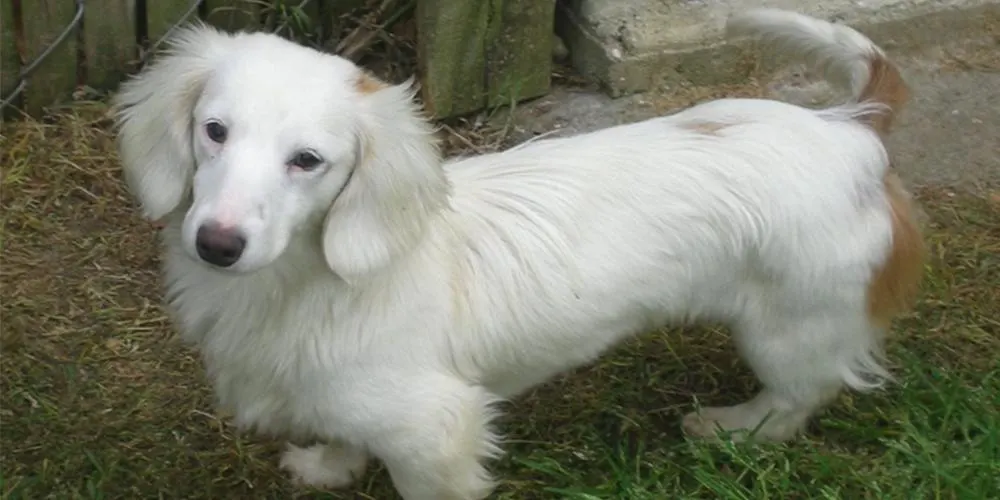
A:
[(153, 111)]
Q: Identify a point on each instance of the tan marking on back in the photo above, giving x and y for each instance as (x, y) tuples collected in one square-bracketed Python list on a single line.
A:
[(704, 127), (896, 284)]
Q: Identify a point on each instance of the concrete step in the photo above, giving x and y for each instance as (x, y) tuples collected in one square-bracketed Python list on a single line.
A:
[(634, 45), (946, 134)]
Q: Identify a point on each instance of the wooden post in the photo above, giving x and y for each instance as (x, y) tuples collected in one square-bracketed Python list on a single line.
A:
[(519, 55), (54, 80), (10, 66), (451, 55), (473, 53), (109, 41)]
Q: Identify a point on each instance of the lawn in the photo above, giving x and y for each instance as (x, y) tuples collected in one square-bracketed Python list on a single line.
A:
[(99, 399)]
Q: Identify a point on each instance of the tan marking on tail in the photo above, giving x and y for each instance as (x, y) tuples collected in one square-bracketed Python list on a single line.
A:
[(886, 86), (896, 284)]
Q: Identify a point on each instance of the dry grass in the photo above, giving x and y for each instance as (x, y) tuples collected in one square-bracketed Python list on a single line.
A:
[(99, 401)]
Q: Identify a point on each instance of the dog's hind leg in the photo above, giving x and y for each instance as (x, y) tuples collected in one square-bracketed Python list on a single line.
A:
[(805, 352), (803, 361)]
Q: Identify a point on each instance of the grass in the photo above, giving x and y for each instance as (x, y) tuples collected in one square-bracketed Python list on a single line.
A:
[(99, 400)]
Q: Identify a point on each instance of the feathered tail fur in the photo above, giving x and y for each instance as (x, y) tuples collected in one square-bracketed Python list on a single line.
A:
[(846, 58)]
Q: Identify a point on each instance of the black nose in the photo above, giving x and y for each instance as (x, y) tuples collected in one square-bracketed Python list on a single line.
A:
[(218, 245)]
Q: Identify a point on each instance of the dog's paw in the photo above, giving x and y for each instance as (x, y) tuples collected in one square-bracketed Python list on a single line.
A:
[(714, 422), (738, 425), (324, 466)]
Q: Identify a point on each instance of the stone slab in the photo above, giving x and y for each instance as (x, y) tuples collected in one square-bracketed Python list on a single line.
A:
[(634, 45), (946, 135)]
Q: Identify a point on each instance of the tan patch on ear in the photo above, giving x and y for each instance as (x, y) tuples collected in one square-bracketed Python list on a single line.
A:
[(895, 286), (704, 127), (369, 84)]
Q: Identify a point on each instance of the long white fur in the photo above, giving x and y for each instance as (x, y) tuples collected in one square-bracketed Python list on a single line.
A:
[(385, 303)]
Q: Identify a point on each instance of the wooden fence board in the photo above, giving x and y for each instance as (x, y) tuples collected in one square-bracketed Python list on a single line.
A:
[(451, 55), (519, 54), (161, 15), (10, 66), (54, 80), (109, 41), (473, 54)]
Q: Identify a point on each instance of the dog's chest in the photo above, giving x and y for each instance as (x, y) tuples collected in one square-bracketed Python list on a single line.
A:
[(272, 361)]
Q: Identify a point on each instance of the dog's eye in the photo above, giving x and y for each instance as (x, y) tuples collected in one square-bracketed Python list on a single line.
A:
[(216, 132), (306, 160)]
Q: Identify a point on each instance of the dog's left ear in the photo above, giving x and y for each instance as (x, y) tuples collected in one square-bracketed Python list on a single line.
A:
[(396, 187)]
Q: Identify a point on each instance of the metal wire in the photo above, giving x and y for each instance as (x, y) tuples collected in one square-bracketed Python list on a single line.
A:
[(191, 10), (23, 75)]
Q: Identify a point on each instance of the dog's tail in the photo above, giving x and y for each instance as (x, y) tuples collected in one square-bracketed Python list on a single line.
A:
[(846, 58)]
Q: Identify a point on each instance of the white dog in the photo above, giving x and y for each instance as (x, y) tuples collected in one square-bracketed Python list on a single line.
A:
[(346, 286)]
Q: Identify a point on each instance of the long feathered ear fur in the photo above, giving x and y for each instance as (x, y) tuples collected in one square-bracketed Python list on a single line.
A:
[(153, 111), (397, 185)]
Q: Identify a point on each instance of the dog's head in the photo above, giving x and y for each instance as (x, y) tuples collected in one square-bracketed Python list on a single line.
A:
[(259, 140)]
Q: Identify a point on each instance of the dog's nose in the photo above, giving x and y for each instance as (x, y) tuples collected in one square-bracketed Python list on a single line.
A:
[(218, 245)]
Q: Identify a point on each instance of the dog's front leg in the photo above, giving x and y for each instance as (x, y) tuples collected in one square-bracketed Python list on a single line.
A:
[(435, 438), (325, 465)]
